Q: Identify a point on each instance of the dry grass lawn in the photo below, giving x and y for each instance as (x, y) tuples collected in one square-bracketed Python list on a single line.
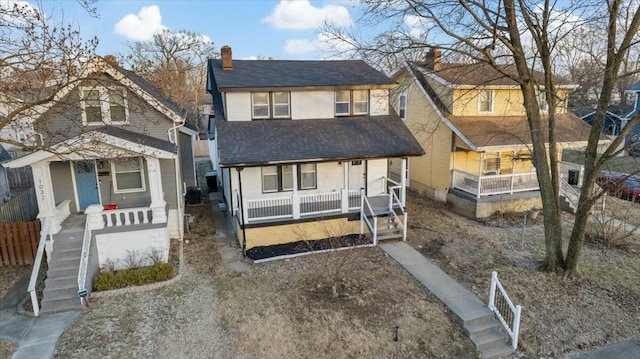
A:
[(6, 349), (559, 316)]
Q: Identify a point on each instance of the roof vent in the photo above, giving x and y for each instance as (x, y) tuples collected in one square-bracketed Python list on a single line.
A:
[(227, 61), (111, 60)]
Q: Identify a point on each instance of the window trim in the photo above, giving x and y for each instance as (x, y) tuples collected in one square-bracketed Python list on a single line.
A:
[(400, 107), (491, 100), (271, 105), (497, 158), (279, 179), (336, 102), (351, 103), (105, 105), (315, 175), (114, 178)]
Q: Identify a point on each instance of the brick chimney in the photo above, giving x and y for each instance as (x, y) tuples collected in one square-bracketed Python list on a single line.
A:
[(227, 61), (432, 59), (111, 60)]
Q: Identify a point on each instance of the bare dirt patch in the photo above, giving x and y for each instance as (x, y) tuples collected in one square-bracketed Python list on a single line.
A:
[(559, 316)]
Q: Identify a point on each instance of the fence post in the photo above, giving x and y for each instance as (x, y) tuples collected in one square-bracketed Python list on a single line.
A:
[(375, 230), (516, 327), (492, 291)]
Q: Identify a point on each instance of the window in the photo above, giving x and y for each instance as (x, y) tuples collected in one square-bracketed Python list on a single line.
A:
[(402, 106), (485, 101), (101, 105), (308, 176), (262, 101), (492, 163), (128, 175), (280, 178), (542, 102), (351, 102), (277, 178)]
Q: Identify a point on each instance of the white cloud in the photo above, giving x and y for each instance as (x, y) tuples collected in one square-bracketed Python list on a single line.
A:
[(142, 26), (298, 46), (416, 25), (19, 12), (300, 15), (324, 43)]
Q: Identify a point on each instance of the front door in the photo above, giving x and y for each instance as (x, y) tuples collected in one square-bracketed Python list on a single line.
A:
[(357, 175), (86, 183)]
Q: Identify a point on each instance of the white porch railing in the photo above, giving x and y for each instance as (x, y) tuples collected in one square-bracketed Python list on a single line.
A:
[(299, 205), (495, 184), (394, 201), (46, 240), (127, 216), (507, 313)]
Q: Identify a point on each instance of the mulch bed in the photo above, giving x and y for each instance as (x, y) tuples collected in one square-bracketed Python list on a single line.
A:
[(263, 252)]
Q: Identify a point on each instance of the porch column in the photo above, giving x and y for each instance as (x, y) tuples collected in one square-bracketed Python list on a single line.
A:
[(403, 181), (295, 199), (345, 187), (155, 189), (44, 194)]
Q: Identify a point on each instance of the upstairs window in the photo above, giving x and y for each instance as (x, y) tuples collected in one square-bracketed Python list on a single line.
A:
[(101, 105), (402, 106), (128, 175), (542, 102), (351, 102), (266, 105), (485, 101)]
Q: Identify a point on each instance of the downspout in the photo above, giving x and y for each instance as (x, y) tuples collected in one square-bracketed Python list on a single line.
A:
[(241, 204), (179, 192)]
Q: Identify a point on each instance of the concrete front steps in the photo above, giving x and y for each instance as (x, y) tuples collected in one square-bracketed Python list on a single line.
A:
[(478, 321), (61, 286)]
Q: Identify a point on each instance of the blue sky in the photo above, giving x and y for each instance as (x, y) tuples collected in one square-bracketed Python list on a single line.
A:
[(282, 29)]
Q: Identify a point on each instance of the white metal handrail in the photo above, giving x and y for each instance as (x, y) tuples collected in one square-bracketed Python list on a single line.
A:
[(504, 304), (263, 205), (569, 192), (363, 218), (44, 233), (403, 223), (355, 194), (84, 262)]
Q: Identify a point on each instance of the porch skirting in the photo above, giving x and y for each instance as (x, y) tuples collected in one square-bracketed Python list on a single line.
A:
[(467, 205)]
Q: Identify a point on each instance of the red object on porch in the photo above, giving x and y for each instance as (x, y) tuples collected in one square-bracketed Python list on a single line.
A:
[(108, 207)]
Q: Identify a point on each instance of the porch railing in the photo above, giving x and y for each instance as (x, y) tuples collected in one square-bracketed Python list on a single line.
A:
[(502, 306), (394, 201), (127, 216), (299, 205), (368, 215), (495, 184)]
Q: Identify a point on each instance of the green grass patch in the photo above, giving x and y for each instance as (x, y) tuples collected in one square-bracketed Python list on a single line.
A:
[(136, 276)]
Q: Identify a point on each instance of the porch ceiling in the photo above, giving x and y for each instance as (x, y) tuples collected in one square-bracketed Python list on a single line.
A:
[(100, 143), (500, 131)]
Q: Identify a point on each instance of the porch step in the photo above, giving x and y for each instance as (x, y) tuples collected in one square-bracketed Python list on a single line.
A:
[(60, 293), (61, 282), (61, 264), (482, 326), (487, 335), (566, 205), (60, 305), (61, 273)]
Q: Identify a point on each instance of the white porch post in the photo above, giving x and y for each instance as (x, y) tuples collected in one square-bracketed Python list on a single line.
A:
[(403, 181), (345, 187), (479, 175), (155, 189), (44, 194), (295, 200)]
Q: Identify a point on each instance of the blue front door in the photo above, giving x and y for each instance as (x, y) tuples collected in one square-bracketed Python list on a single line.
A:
[(86, 183)]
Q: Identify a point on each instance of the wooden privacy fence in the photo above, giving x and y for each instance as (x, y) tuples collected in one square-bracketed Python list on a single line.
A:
[(21, 177), (19, 242), (22, 207)]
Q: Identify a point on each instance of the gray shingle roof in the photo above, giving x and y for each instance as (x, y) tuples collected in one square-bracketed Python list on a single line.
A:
[(139, 138), (254, 143), (288, 73), (634, 87)]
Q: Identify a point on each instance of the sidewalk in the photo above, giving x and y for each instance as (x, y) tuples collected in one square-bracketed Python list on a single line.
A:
[(34, 337), (226, 241), (629, 349)]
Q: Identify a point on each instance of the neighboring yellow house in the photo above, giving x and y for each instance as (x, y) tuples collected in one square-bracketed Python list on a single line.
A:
[(471, 121)]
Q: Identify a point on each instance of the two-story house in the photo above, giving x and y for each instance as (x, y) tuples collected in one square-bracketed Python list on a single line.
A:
[(303, 150), (116, 158), (471, 121)]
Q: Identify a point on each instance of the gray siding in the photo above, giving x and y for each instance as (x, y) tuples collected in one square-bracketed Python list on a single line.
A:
[(169, 183), (123, 200), (186, 159), (63, 183), (64, 119)]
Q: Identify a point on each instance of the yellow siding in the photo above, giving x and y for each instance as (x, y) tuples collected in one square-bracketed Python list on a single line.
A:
[(309, 231), (467, 161), (506, 102)]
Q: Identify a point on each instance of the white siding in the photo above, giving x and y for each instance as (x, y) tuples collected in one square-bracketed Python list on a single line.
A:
[(379, 102), (238, 106), (376, 170), (116, 247), (312, 104)]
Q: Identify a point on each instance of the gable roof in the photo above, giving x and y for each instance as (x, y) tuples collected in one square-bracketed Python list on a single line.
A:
[(87, 145), (255, 143), (290, 73), (480, 75), (127, 78), (635, 87)]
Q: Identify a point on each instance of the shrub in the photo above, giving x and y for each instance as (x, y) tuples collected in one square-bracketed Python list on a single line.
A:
[(136, 276)]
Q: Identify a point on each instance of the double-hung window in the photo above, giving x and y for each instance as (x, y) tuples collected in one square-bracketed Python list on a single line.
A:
[(128, 175), (485, 101), (266, 105), (542, 101), (101, 105), (351, 102), (402, 106), (280, 178)]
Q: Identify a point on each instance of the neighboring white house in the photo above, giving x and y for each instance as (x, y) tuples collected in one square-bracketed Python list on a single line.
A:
[(303, 150)]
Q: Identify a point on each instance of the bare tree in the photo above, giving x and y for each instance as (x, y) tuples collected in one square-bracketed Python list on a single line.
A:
[(175, 63), (525, 35)]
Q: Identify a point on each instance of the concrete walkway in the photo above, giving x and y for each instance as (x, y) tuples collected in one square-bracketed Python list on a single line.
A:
[(34, 337), (228, 247), (629, 349)]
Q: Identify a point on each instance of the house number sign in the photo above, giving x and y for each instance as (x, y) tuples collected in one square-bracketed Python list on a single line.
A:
[(41, 192)]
